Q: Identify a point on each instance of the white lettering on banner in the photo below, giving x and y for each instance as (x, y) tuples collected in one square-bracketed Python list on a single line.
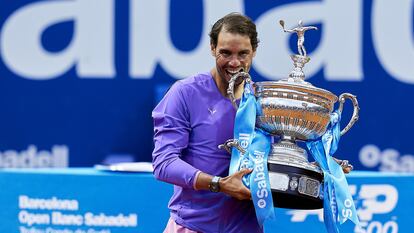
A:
[(119, 220), (59, 218), (244, 143), (59, 212), (373, 199), (92, 53), (65, 230), (32, 218), (334, 50), (30, 230), (31, 158), (260, 178), (388, 160), (301, 215), (52, 203), (151, 45), (333, 204), (347, 212), (91, 230), (372, 204), (244, 140), (392, 34), (378, 227)]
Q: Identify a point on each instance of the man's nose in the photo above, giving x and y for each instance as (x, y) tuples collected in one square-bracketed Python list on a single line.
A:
[(234, 61)]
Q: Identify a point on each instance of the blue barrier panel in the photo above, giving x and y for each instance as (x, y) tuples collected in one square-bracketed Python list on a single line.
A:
[(86, 200)]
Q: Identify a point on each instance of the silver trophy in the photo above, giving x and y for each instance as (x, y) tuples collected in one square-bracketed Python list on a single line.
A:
[(294, 110)]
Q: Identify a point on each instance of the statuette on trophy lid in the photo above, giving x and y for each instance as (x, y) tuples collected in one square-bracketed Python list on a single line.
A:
[(300, 31), (294, 110), (299, 60)]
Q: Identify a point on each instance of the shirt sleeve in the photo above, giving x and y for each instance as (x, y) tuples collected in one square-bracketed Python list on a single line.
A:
[(171, 135)]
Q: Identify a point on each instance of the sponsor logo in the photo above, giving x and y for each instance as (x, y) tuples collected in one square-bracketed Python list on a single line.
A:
[(260, 178), (371, 200), (389, 159), (244, 143), (32, 158), (244, 140), (57, 212), (93, 54), (212, 111)]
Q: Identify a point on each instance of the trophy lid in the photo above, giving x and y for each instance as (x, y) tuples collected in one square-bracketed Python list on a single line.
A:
[(296, 80)]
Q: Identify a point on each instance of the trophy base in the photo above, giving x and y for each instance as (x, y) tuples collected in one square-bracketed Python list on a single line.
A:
[(294, 187)]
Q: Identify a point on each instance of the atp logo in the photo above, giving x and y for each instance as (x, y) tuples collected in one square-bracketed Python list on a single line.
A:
[(378, 199), (371, 201)]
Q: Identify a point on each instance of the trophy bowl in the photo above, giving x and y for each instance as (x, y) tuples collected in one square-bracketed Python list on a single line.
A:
[(295, 111)]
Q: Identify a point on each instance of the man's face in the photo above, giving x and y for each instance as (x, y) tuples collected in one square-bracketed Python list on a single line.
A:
[(233, 53)]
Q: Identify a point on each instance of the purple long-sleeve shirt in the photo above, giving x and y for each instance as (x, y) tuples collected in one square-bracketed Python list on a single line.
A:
[(189, 123)]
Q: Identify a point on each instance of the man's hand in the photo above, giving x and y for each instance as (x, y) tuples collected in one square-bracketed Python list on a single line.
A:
[(346, 166), (233, 186)]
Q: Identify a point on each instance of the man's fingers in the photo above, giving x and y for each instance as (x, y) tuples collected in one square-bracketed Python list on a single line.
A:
[(346, 166), (245, 194), (244, 171)]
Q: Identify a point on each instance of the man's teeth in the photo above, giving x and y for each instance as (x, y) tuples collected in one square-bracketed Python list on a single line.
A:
[(234, 71)]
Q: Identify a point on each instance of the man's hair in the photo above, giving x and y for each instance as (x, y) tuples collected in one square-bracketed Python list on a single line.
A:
[(235, 23)]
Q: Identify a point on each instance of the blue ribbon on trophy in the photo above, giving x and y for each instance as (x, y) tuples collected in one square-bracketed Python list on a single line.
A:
[(256, 146), (338, 203)]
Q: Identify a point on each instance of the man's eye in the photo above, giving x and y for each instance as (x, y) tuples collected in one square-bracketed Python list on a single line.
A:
[(244, 54), (225, 53)]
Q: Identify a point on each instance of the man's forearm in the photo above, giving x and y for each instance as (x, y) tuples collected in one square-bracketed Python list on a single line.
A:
[(202, 181)]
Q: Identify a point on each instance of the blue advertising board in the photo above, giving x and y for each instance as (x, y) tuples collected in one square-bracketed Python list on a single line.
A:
[(92, 201), (78, 79)]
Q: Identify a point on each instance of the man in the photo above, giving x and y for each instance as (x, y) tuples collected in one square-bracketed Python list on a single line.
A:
[(193, 118)]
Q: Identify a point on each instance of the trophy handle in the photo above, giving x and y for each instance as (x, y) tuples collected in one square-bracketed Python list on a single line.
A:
[(230, 144), (230, 89), (355, 114)]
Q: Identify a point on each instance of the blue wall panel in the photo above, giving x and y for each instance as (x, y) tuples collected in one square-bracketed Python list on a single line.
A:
[(78, 79)]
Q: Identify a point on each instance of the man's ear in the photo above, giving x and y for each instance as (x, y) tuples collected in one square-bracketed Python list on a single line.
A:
[(213, 50), (254, 53)]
